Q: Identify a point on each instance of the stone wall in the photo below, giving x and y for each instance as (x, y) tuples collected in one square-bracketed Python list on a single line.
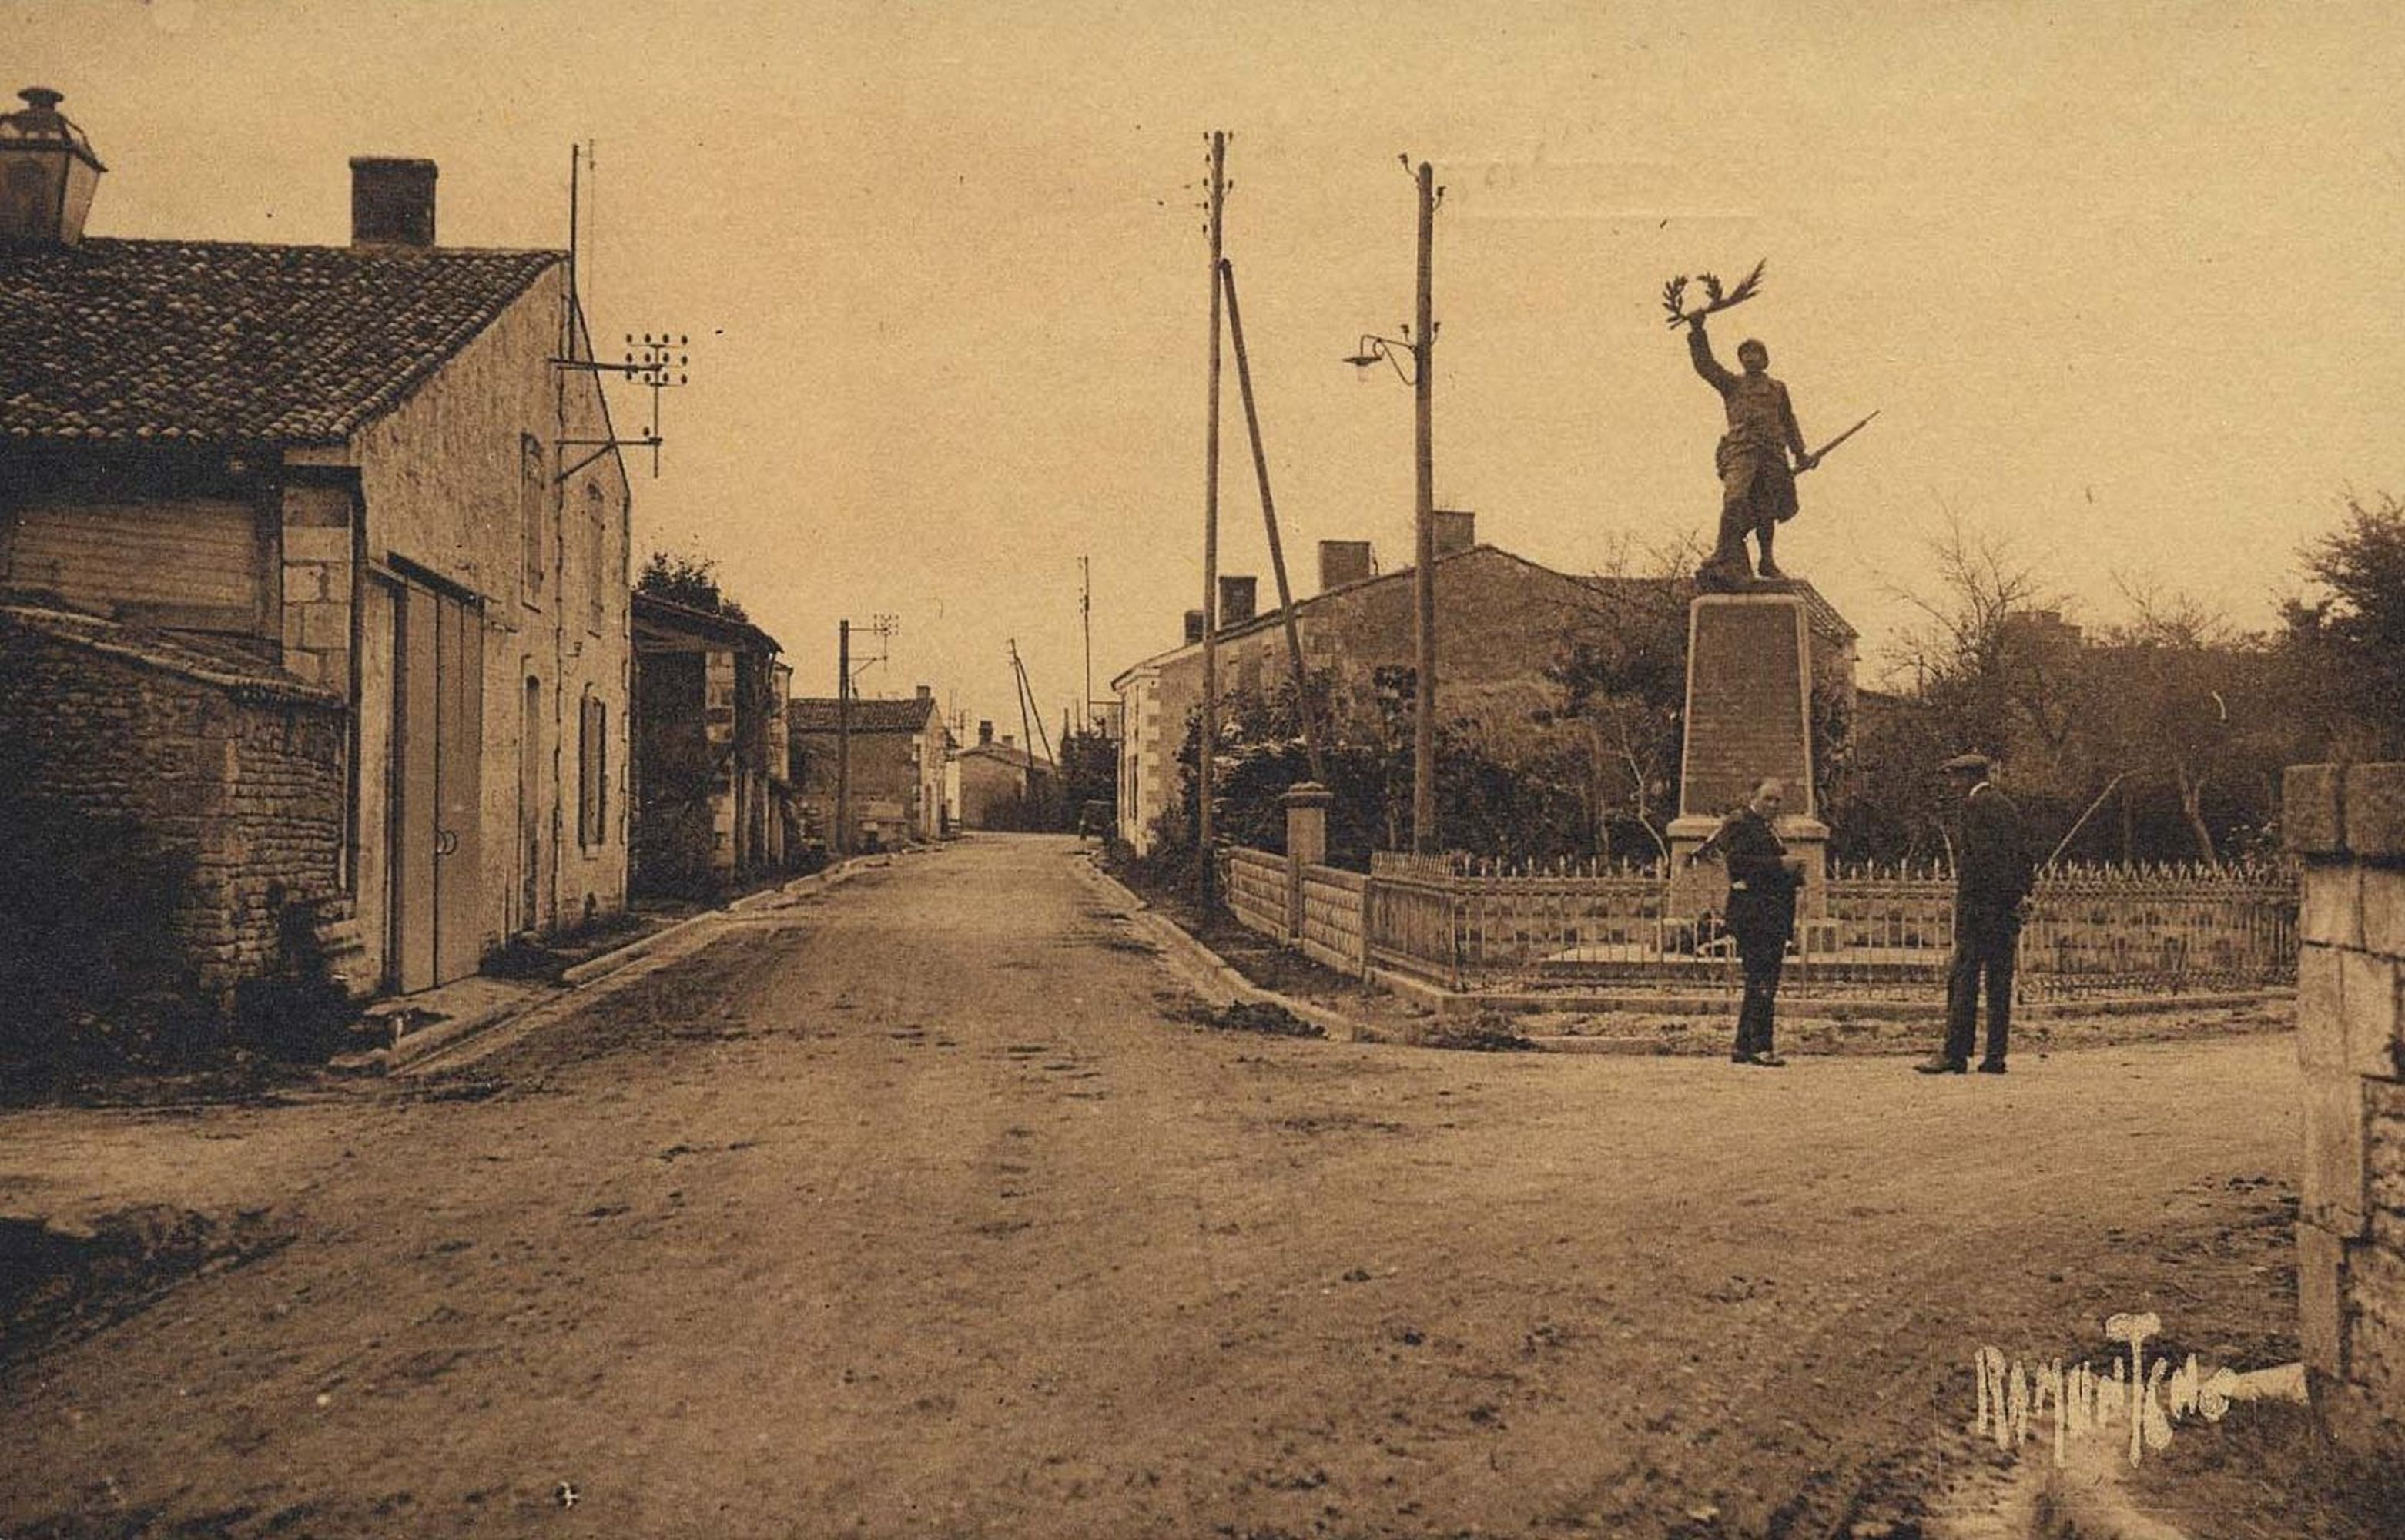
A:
[(242, 772), (2348, 824)]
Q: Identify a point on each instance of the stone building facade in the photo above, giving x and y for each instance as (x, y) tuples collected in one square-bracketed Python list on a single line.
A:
[(899, 749), (2348, 825), (402, 491), (1006, 786), (710, 749), (1501, 619)]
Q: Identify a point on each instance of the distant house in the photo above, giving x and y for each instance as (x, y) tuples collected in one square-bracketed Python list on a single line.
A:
[(1501, 620), (1003, 786), (367, 472), (711, 749), (898, 749)]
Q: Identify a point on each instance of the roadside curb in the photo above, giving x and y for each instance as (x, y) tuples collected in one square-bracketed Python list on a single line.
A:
[(1209, 973)]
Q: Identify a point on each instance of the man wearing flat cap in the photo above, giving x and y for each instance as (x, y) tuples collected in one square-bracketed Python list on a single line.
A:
[(1993, 875)]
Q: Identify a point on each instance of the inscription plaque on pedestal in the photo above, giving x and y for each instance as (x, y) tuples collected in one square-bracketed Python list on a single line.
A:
[(1749, 716), (1749, 703)]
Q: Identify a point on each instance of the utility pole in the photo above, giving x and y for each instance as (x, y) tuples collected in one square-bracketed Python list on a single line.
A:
[(1086, 619), (1302, 701), (843, 737), (1027, 737), (1423, 578), (1204, 873)]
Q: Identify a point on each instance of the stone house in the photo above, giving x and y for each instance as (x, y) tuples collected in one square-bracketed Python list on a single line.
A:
[(1004, 786), (710, 781), (898, 754), (1501, 620), (379, 474)]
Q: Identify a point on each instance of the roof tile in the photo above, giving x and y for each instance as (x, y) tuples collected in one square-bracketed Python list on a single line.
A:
[(218, 340)]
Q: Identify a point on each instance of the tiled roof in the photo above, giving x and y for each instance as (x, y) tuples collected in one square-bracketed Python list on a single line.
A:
[(1010, 754), (817, 714), (656, 618), (1819, 613), (206, 341)]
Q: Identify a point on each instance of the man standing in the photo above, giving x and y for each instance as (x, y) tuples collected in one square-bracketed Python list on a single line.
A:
[(1992, 877), (1757, 487), (1763, 880)]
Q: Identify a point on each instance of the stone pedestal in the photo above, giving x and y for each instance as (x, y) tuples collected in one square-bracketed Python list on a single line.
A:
[(1749, 716)]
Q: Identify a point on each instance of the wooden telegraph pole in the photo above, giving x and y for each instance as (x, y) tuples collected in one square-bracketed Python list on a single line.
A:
[(843, 737), (1302, 701), (1205, 859), (1424, 574)]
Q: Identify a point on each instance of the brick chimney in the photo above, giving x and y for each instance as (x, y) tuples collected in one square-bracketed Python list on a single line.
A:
[(1193, 626), (1457, 530), (1344, 561), (393, 201), (1239, 600), (926, 694), (985, 733), (48, 172)]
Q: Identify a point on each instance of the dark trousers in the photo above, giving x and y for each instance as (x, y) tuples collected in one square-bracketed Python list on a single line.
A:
[(1982, 946), (1763, 958)]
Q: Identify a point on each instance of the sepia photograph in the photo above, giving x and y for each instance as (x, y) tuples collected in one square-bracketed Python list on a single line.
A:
[(1297, 770)]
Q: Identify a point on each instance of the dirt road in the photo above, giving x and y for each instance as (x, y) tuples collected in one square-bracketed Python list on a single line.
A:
[(929, 1209)]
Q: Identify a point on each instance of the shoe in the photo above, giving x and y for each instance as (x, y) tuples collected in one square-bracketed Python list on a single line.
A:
[(1939, 1064), (1991, 1065), (1769, 1060), (1769, 573)]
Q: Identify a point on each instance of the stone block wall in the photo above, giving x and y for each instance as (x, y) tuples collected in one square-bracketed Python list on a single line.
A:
[(242, 774), (316, 584), (2347, 823)]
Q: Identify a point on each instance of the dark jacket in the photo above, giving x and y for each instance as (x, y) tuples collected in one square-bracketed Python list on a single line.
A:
[(1992, 868), (1761, 890)]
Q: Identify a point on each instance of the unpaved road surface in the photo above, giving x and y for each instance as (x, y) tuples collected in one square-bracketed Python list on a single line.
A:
[(929, 1208)]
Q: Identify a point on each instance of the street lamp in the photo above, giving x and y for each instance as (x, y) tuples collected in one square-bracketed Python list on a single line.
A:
[(1419, 342)]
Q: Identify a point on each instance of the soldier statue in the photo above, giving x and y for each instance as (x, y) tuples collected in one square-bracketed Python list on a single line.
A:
[(1757, 485)]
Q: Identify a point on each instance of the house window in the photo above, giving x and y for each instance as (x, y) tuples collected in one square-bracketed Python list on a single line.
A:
[(597, 536), (593, 789), (534, 497)]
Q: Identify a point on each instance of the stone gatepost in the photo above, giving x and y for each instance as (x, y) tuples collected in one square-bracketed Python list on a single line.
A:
[(2348, 825), (1306, 804)]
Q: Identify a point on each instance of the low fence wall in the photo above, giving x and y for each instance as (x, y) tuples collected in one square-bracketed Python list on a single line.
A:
[(1334, 928), (1471, 925), (1255, 883)]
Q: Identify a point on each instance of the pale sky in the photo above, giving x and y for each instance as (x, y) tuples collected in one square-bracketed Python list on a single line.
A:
[(2122, 278)]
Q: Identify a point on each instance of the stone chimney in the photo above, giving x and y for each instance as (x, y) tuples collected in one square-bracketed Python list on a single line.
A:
[(1193, 626), (1457, 530), (1239, 600), (985, 733), (926, 694), (47, 173), (393, 201), (1344, 561)]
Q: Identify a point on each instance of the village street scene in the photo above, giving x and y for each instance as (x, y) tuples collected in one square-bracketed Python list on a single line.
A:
[(809, 770)]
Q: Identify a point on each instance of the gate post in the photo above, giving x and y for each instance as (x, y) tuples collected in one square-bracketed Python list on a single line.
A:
[(1306, 804)]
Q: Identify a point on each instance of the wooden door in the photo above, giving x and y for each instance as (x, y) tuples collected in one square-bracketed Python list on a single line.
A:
[(438, 736), (459, 754), (414, 817)]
